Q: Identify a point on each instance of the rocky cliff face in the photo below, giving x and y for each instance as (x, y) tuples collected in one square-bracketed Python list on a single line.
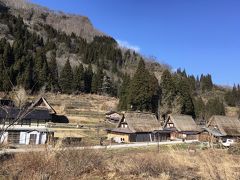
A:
[(68, 23)]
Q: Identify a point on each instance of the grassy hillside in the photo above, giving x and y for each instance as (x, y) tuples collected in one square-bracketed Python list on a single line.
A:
[(83, 108)]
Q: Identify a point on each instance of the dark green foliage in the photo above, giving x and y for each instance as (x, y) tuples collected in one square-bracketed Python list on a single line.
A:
[(25, 62), (94, 85), (144, 90), (53, 70), (232, 98), (66, 78), (184, 90), (97, 81), (88, 75), (106, 85), (200, 109), (168, 88), (124, 93), (206, 83), (78, 77), (214, 107)]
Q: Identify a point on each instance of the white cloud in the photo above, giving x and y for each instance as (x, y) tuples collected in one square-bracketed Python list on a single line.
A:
[(125, 44)]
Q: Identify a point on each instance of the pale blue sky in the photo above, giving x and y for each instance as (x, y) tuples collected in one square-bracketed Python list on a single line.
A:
[(201, 36)]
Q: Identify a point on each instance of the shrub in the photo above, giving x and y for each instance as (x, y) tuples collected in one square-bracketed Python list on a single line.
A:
[(234, 149)]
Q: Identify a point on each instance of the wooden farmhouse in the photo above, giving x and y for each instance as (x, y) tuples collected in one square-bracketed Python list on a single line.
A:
[(221, 127), (135, 127), (181, 127), (27, 125), (28, 129)]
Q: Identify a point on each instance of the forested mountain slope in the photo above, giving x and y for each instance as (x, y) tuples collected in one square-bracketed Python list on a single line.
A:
[(40, 48)]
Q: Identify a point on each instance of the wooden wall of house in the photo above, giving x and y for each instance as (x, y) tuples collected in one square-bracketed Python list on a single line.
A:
[(192, 137), (179, 135), (206, 137), (142, 137), (115, 135), (164, 137), (173, 135)]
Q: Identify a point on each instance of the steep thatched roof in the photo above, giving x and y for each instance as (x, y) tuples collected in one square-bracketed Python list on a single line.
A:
[(140, 122), (182, 123), (228, 126), (41, 103)]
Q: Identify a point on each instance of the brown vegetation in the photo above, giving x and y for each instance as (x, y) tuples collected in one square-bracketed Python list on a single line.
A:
[(137, 164)]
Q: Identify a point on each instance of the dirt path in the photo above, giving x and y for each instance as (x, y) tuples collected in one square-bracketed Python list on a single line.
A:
[(119, 146)]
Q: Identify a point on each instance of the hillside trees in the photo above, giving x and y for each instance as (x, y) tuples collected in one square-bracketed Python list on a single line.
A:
[(214, 107), (25, 62), (180, 95), (232, 97), (141, 92), (176, 92), (206, 83)]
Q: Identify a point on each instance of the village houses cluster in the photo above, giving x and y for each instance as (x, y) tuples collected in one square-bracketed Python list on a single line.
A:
[(32, 125)]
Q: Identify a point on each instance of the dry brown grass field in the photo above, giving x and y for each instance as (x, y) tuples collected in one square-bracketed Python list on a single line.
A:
[(83, 108), (144, 163)]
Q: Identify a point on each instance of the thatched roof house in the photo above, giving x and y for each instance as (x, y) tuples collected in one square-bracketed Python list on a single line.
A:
[(135, 127), (139, 122), (182, 123), (181, 126), (224, 126)]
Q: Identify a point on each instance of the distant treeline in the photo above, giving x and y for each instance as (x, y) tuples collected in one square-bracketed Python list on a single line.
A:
[(177, 92), (233, 97)]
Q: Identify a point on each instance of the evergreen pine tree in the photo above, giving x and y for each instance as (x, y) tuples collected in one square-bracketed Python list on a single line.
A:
[(167, 88), (107, 85), (66, 78), (78, 77), (53, 69), (88, 74), (124, 93), (142, 89), (94, 85), (199, 108)]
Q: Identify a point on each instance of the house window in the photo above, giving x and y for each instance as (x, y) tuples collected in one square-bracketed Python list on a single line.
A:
[(124, 125), (33, 138), (13, 137), (170, 125)]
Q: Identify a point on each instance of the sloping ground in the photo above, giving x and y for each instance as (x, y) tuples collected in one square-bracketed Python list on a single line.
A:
[(83, 109)]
